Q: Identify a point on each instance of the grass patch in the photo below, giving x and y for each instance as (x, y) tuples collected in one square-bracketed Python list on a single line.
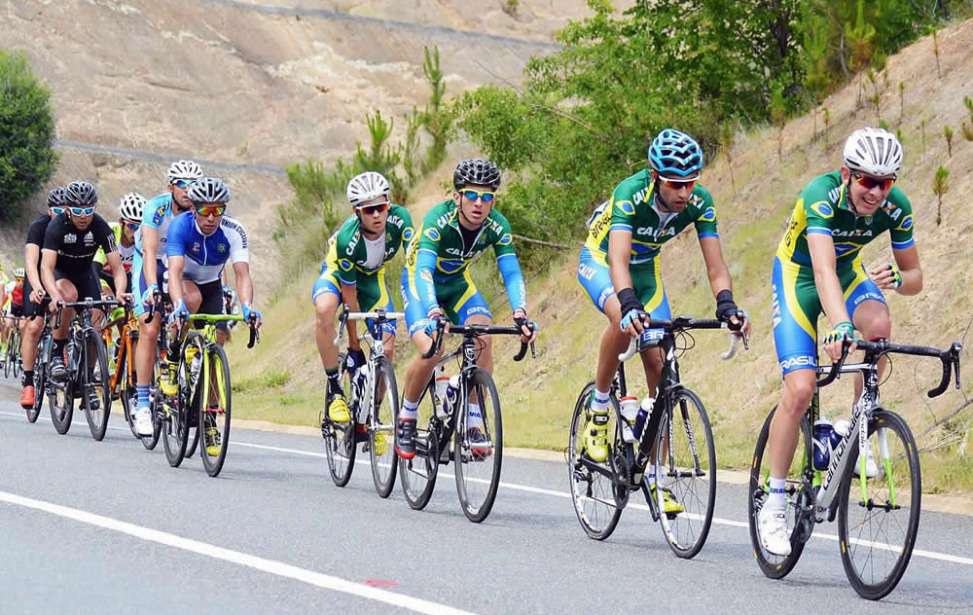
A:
[(270, 380)]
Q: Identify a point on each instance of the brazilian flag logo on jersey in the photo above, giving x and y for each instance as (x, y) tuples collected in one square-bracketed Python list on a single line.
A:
[(432, 234), (823, 210), (407, 234), (709, 215), (906, 224), (345, 264), (506, 240), (626, 207)]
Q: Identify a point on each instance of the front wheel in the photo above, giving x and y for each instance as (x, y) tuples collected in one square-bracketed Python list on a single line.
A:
[(340, 446), (478, 447), (800, 524), (172, 416), (878, 509), (594, 489), (95, 392), (215, 410), (685, 468), (381, 429), (40, 384)]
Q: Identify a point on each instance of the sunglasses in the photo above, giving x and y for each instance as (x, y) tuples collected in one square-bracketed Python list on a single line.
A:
[(868, 182), (473, 196), (57, 211), (369, 210), (182, 184), (133, 226), (211, 210), (678, 184), (81, 211)]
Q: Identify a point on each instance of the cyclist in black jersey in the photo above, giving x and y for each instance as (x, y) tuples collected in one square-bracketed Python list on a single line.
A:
[(70, 243)]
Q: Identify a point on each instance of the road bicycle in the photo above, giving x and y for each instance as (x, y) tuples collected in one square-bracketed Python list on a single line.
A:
[(11, 363), (449, 434), (87, 375), (373, 401), (203, 385), (41, 359), (673, 453), (876, 496)]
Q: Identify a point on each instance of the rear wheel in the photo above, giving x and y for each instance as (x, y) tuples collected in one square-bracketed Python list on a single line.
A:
[(799, 524), (95, 393), (593, 485), (215, 411), (418, 475), (61, 403), (339, 438), (381, 429), (685, 463), (878, 515), (478, 447), (173, 420), (40, 383)]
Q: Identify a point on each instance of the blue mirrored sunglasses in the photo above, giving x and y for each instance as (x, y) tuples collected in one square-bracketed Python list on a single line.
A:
[(182, 184), (81, 211), (473, 196), (57, 211)]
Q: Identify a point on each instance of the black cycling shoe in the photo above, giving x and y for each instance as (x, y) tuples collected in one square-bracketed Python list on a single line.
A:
[(94, 402), (405, 438)]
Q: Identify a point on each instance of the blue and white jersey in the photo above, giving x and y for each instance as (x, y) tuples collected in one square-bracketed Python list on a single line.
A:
[(157, 214), (206, 255)]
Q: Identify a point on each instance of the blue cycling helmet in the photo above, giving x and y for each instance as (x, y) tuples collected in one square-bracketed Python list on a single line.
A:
[(675, 154)]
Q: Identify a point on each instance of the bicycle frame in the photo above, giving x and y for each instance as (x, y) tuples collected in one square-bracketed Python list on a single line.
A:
[(364, 391), (208, 332)]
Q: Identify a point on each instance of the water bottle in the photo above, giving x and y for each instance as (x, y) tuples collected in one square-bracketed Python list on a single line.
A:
[(823, 434), (630, 409), (645, 411)]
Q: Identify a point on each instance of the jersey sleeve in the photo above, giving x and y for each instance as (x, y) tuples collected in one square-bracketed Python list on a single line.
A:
[(622, 209), (54, 234), (35, 234), (818, 209), (236, 235), (901, 232), (407, 231), (154, 213), (427, 252), (509, 265), (339, 259), (706, 224), (176, 237)]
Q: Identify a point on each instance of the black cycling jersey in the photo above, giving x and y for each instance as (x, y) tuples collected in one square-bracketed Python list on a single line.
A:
[(35, 232), (76, 249)]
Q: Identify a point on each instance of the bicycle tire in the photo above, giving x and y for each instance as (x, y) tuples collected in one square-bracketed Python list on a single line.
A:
[(61, 404), (8, 359), (340, 445), (125, 396), (220, 368), (15, 349), (587, 508), (468, 461), (40, 382), (192, 442), (95, 379), (773, 566), (690, 478), (848, 491), (381, 429), (418, 475), (173, 419)]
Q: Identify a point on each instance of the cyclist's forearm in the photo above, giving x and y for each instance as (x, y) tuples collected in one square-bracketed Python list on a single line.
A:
[(349, 294), (832, 299), (48, 259), (513, 281), (911, 282), (716, 269), (32, 258), (619, 256), (175, 281), (425, 266)]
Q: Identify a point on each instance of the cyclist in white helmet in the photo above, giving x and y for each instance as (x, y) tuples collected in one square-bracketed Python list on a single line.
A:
[(149, 274), (817, 269), (353, 273)]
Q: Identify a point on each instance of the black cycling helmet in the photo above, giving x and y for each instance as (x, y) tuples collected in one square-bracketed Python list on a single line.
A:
[(209, 190), (476, 171), (56, 197), (80, 193)]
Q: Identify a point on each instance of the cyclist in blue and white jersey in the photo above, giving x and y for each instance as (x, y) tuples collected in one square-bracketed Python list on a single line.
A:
[(148, 274)]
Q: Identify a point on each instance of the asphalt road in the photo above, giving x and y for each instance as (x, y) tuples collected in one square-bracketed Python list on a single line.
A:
[(88, 527)]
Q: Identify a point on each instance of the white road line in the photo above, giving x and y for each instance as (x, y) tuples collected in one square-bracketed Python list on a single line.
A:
[(317, 579), (934, 555)]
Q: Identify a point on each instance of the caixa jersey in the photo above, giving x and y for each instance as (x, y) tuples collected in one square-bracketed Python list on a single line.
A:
[(206, 255)]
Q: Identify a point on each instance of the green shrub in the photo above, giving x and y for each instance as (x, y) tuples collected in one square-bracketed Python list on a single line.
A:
[(27, 159)]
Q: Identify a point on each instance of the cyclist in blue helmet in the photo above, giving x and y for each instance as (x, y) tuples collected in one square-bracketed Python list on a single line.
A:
[(619, 267)]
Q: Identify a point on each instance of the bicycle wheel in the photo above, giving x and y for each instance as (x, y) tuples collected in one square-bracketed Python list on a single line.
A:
[(60, 401), (685, 466), (799, 525), (878, 515), (381, 429), (8, 359), (339, 439), (593, 490), (15, 346), (40, 383), (418, 475), (173, 418), (215, 410), (478, 447), (95, 393)]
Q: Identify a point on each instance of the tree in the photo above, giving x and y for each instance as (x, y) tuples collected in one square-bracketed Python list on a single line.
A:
[(940, 185), (27, 159)]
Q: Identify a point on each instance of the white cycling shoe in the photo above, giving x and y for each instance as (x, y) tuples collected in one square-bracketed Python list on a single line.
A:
[(143, 421), (871, 466), (772, 528)]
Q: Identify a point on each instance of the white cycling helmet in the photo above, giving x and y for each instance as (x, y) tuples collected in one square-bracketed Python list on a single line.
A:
[(367, 186), (131, 206), (873, 151), (184, 169)]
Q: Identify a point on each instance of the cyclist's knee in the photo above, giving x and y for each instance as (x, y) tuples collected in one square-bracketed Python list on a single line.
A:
[(799, 387), (874, 324)]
